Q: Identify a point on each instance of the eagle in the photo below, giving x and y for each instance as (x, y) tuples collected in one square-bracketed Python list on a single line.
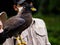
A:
[(18, 23)]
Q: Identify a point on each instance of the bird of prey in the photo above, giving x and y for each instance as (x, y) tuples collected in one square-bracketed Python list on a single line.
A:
[(18, 23)]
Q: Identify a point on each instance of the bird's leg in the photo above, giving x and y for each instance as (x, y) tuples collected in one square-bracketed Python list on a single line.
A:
[(20, 41)]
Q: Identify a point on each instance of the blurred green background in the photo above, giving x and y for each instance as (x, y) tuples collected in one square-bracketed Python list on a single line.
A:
[(49, 11)]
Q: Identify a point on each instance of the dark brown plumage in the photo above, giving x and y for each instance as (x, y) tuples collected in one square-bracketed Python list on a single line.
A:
[(16, 24)]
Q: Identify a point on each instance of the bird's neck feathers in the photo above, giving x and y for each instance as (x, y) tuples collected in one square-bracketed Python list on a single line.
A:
[(27, 11), (24, 12)]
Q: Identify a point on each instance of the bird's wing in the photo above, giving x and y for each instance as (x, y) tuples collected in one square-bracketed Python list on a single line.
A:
[(11, 26), (14, 23), (9, 30)]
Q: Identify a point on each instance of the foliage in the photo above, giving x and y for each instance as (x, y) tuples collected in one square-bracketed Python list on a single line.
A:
[(48, 6)]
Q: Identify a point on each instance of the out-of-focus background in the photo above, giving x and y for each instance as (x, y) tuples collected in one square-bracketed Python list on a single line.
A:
[(48, 10)]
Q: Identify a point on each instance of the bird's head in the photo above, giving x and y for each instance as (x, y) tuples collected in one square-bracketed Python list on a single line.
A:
[(23, 5)]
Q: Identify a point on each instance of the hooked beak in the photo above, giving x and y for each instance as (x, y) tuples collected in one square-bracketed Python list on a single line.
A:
[(33, 9)]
